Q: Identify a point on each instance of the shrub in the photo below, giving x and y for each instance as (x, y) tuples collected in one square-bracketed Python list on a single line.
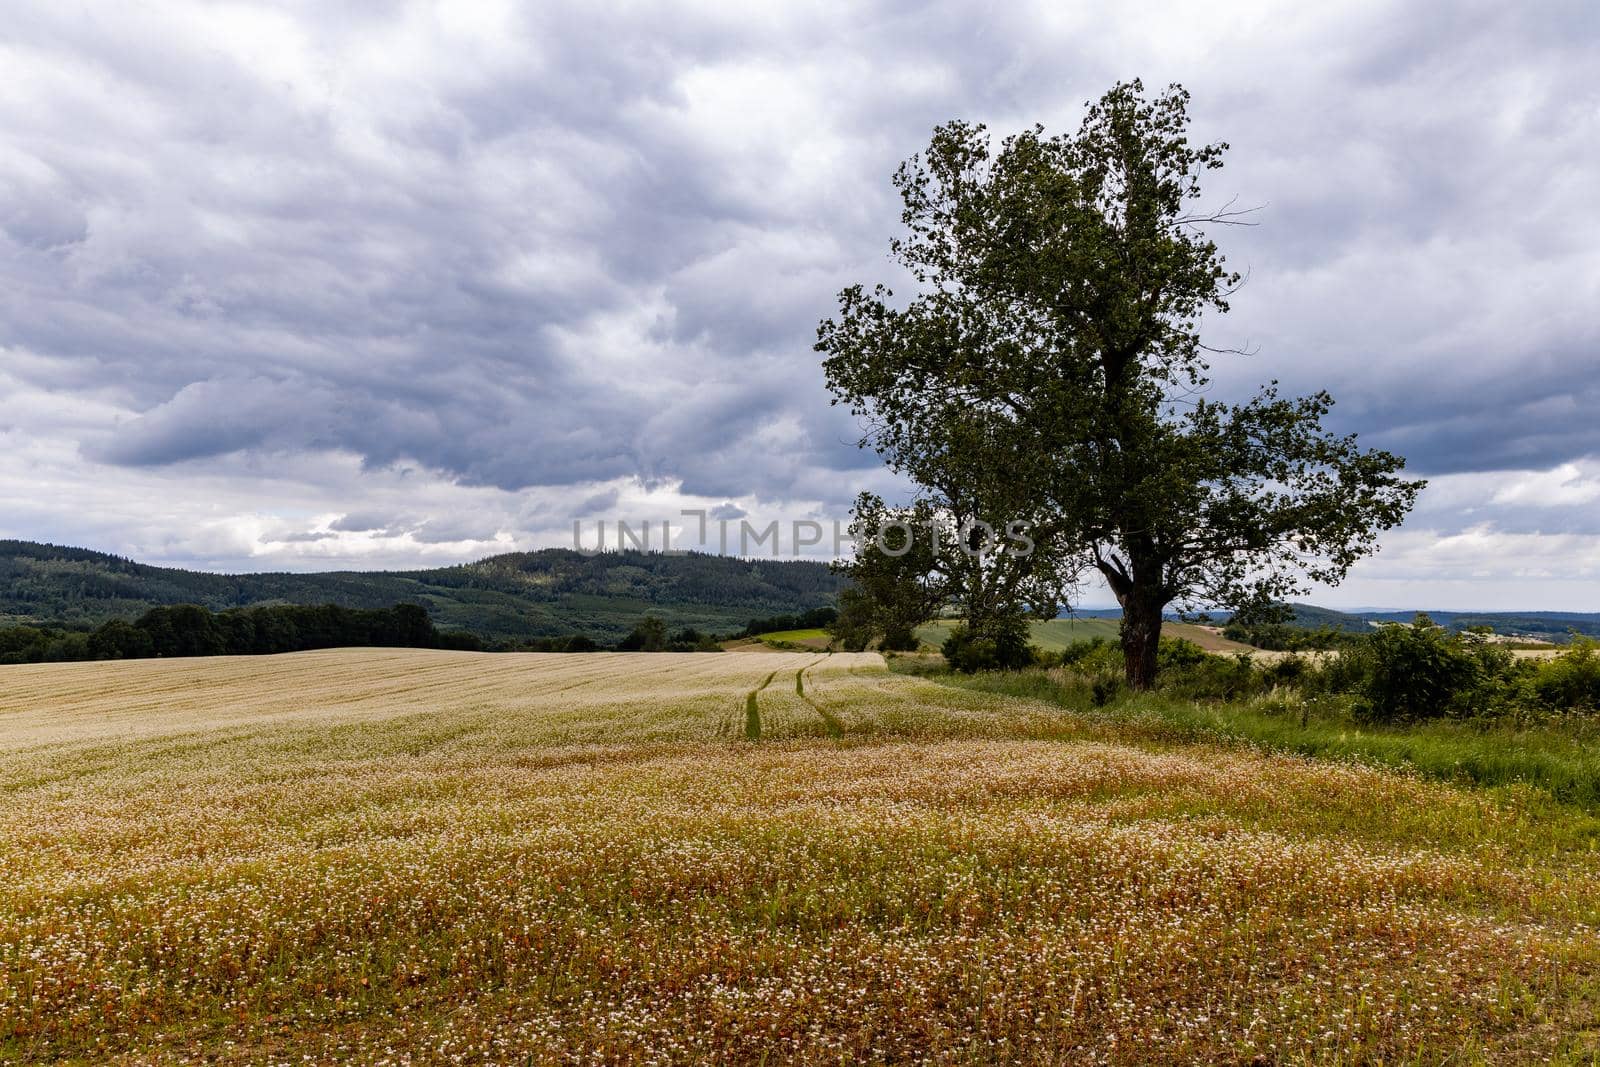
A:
[(1208, 676), (1174, 653), (1105, 690), (1094, 656), (899, 639), (1288, 670), (855, 623), (691, 640), (1423, 671), (1184, 668), (649, 636), (1570, 681), (1000, 644)]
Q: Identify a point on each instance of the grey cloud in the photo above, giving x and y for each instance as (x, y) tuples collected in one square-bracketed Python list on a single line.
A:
[(599, 502), (589, 246), (370, 521), (442, 531), (305, 537)]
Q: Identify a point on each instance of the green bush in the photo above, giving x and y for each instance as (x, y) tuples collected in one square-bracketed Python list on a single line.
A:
[(1211, 677), (650, 635), (1570, 681), (1423, 671), (899, 639), (1094, 656), (1398, 674), (1183, 668), (1001, 644), (1174, 653)]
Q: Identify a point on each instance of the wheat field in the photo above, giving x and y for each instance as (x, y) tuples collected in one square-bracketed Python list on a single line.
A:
[(398, 856)]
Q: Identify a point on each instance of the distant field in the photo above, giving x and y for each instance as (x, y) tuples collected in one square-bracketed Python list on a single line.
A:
[(813, 638), (385, 856), (1053, 635), (1207, 638)]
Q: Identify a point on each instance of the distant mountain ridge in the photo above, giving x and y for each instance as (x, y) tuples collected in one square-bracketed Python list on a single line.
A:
[(521, 594), (1539, 625)]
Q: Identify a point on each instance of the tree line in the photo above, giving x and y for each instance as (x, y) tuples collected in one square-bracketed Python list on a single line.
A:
[(193, 630), (815, 619)]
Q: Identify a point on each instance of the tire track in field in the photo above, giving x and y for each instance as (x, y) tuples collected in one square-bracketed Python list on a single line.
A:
[(752, 713), (830, 721)]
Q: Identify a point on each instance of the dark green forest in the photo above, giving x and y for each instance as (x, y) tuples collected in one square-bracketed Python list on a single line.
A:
[(192, 630), (514, 597)]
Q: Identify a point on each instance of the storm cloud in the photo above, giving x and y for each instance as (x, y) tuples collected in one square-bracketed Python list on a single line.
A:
[(477, 269)]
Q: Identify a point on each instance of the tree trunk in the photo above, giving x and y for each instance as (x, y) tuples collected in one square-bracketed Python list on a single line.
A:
[(1141, 637)]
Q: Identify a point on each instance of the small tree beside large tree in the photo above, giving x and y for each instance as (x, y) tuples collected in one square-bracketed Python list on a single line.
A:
[(1051, 358)]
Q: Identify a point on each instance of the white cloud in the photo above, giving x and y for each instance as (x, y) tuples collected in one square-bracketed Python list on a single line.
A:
[(1563, 487)]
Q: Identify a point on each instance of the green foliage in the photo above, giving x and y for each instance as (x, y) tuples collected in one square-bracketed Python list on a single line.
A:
[(1423, 671), (650, 635), (192, 630), (1400, 673), (896, 579), (855, 624), (1093, 656), (815, 619), (1561, 757), (1185, 668), (1051, 635), (900, 640), (1001, 645), (1571, 680), (691, 640), (34, 644), (1036, 372), (188, 630), (120, 640), (571, 643)]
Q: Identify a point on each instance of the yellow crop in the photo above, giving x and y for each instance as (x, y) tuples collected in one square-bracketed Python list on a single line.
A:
[(390, 856)]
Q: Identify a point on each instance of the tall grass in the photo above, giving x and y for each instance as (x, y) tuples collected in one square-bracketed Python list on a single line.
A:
[(1558, 757)]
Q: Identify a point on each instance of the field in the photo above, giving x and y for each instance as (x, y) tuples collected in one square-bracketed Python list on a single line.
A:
[(389, 856), (816, 639)]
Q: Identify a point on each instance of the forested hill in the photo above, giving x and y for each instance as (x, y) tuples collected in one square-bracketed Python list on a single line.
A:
[(521, 594), (1538, 625)]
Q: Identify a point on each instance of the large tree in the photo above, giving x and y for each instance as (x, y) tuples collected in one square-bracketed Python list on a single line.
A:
[(1051, 357)]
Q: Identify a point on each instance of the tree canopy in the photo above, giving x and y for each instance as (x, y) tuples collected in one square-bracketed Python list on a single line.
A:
[(1049, 368)]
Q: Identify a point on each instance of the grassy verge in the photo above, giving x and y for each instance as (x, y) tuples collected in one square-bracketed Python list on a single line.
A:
[(1562, 759)]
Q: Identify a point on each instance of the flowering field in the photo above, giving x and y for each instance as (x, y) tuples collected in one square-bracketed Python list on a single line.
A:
[(409, 856)]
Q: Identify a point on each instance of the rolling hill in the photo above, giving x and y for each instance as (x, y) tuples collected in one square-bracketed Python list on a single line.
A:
[(1541, 625), (522, 594), (547, 593)]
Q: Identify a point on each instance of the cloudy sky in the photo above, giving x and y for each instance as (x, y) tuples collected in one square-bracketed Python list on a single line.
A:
[(309, 285)]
